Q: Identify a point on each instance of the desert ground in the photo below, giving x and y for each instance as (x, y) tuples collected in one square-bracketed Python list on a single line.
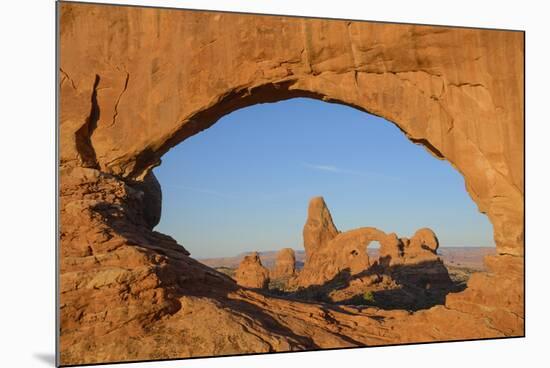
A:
[(460, 261)]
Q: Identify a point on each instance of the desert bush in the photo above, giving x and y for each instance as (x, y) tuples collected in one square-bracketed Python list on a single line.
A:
[(368, 297)]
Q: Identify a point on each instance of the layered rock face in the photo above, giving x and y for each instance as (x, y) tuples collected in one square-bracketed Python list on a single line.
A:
[(117, 277), (135, 82), (251, 273), (174, 73), (285, 264), (496, 295)]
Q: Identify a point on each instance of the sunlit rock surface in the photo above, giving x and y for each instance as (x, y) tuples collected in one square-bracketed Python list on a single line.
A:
[(136, 81)]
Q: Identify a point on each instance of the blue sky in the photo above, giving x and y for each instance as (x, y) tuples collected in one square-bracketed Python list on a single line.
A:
[(244, 184)]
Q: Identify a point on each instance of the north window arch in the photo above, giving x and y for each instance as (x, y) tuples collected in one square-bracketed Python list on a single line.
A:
[(234, 181)]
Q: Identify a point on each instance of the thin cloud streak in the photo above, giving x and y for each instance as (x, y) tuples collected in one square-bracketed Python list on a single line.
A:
[(334, 169), (322, 167)]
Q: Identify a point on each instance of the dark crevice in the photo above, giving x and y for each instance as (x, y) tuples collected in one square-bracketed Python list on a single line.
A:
[(466, 84), (119, 98), (66, 77), (429, 146), (84, 134)]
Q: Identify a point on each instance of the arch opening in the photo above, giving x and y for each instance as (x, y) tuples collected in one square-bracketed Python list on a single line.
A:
[(219, 170), (507, 232)]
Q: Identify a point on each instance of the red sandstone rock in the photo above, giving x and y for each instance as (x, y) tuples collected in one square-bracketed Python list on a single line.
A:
[(423, 239), (319, 228), (392, 248), (251, 273), (129, 293), (135, 82), (285, 264), (345, 254)]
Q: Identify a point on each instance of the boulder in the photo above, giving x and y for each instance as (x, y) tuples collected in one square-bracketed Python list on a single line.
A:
[(251, 273), (422, 246), (424, 239)]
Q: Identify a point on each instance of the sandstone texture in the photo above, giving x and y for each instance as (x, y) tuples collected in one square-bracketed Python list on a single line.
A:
[(174, 73), (285, 264), (319, 228), (251, 273), (135, 82), (331, 254)]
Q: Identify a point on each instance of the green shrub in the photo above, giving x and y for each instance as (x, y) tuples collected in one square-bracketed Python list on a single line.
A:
[(368, 297)]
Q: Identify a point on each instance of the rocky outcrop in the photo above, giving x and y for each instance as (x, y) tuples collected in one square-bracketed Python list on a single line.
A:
[(420, 264), (392, 248), (117, 276), (422, 247), (251, 273), (135, 82), (496, 295), (285, 264), (345, 253), (423, 243), (319, 228), (333, 254)]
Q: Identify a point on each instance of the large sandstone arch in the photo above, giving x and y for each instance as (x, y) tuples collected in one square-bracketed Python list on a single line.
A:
[(135, 82), (159, 76)]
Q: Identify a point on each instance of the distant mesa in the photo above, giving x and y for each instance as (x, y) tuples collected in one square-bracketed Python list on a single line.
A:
[(251, 273)]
